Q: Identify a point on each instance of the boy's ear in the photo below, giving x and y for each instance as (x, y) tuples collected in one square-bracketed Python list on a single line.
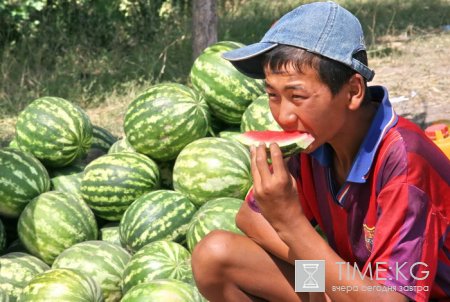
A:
[(357, 90)]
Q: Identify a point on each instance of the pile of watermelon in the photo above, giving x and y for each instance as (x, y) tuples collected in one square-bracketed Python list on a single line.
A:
[(86, 216)]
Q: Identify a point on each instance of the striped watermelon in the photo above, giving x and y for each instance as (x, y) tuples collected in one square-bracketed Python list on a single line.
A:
[(102, 139), (54, 221), (101, 260), (212, 167), (158, 260), (158, 215), (229, 134), (76, 167), (216, 214), (62, 285), (16, 270), (258, 117), (227, 91), (164, 119), (163, 290), (68, 183), (122, 145), (22, 178), (13, 144), (110, 233), (54, 130), (112, 182)]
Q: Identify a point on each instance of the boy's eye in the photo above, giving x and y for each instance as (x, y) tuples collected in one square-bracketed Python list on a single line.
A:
[(299, 97)]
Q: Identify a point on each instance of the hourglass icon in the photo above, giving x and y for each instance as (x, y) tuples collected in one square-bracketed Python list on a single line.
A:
[(310, 269)]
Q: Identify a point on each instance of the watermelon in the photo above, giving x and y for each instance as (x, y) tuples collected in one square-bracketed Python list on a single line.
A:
[(110, 233), (163, 290), (101, 260), (164, 119), (68, 183), (122, 145), (212, 167), (113, 181), (258, 117), (158, 215), (290, 143), (61, 284), (13, 144), (54, 130), (16, 246), (216, 214), (158, 260), (227, 91), (16, 270), (22, 178), (102, 139), (76, 167), (229, 134), (54, 221)]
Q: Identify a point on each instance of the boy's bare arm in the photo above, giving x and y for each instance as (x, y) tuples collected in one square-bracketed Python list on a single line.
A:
[(256, 227)]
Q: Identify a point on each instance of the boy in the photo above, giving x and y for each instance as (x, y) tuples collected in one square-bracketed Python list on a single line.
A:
[(372, 181)]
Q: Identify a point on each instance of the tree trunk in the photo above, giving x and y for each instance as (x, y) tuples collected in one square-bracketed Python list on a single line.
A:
[(204, 25)]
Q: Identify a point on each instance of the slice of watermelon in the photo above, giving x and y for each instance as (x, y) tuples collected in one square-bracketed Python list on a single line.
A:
[(289, 142)]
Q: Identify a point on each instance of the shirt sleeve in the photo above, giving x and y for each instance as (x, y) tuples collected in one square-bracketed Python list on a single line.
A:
[(405, 242)]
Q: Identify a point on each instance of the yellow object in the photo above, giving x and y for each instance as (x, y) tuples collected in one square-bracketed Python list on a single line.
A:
[(439, 134)]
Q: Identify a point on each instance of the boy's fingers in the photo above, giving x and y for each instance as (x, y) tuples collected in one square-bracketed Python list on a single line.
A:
[(278, 164), (254, 168), (261, 163)]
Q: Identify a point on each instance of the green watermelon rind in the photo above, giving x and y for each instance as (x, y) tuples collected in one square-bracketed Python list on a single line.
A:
[(161, 259), (113, 181), (16, 271), (163, 290), (23, 177), (157, 215), (288, 147), (103, 261), (62, 284), (54, 130), (164, 119), (215, 214), (212, 167), (227, 91), (54, 221)]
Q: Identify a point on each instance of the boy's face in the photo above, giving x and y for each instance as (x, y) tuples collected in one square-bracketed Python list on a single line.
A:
[(301, 102)]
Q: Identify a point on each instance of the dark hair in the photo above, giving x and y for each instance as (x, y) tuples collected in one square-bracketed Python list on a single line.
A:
[(332, 73)]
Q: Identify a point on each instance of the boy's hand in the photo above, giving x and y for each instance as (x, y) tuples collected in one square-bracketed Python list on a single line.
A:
[(274, 187)]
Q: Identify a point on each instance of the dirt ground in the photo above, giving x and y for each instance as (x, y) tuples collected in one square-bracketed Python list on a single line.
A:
[(417, 76), (416, 72)]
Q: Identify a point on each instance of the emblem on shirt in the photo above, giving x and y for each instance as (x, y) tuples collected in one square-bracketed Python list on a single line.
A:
[(369, 233)]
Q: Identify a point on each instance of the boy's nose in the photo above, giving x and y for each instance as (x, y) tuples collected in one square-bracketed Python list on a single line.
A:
[(287, 120)]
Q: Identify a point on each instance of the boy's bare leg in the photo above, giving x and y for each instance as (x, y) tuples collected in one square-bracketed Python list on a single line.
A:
[(231, 267)]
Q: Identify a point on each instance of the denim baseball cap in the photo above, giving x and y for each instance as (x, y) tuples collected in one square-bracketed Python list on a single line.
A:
[(324, 28)]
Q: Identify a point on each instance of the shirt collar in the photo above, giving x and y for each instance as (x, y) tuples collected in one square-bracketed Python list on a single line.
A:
[(384, 119)]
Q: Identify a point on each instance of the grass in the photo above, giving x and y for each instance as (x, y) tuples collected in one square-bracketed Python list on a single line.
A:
[(104, 79)]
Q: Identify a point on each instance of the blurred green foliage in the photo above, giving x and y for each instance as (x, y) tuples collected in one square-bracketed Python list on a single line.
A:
[(82, 50)]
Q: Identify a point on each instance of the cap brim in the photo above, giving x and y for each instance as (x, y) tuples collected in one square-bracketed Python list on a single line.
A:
[(248, 59)]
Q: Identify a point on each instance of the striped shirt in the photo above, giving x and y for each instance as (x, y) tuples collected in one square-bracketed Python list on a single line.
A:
[(390, 220)]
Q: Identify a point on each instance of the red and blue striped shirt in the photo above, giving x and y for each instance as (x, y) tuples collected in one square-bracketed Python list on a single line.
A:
[(391, 218)]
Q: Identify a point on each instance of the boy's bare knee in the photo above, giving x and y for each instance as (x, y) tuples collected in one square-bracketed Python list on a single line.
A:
[(211, 255), (213, 248)]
